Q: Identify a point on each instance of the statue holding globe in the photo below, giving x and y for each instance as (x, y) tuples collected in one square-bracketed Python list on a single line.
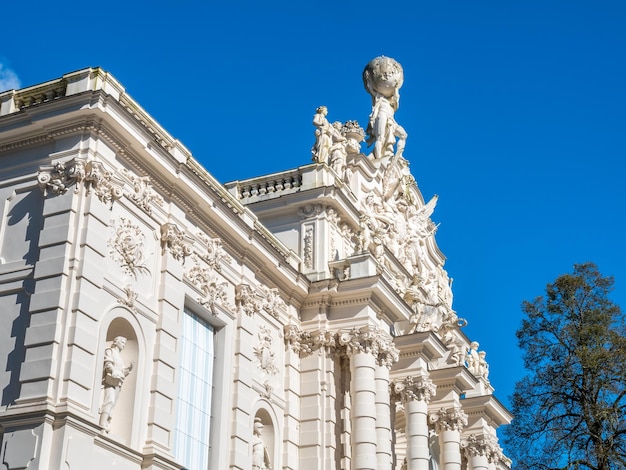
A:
[(382, 78)]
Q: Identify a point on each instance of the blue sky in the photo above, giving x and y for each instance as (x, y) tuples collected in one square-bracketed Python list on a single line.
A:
[(516, 115)]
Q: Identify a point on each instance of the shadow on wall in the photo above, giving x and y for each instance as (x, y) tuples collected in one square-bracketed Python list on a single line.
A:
[(20, 229)]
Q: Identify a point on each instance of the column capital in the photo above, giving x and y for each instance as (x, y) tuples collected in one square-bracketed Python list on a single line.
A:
[(448, 419), (372, 340), (414, 388), (485, 445)]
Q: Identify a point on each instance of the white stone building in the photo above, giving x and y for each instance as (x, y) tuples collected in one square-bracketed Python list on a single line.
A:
[(152, 318)]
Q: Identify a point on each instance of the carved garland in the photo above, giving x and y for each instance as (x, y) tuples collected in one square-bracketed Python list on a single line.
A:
[(212, 288), (263, 351), (251, 301)]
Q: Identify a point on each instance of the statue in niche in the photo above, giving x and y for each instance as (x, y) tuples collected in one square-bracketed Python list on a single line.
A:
[(325, 136), (260, 455), (114, 373), (382, 78)]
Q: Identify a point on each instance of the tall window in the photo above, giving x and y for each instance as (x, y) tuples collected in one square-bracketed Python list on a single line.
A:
[(193, 422)]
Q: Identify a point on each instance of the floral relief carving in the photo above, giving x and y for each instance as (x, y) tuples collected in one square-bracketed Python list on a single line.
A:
[(263, 351), (251, 301), (271, 301), (212, 287), (142, 193), (173, 239), (127, 248)]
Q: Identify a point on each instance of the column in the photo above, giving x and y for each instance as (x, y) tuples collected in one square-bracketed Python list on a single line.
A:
[(415, 393), (388, 354), (363, 345), (449, 424)]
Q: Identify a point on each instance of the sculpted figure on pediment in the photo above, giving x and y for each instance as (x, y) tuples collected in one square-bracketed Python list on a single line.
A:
[(326, 136), (382, 78)]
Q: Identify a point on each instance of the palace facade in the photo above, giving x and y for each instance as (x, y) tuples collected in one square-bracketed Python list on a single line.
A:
[(153, 318)]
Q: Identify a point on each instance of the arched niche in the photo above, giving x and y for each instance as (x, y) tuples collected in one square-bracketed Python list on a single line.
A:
[(271, 437), (126, 414)]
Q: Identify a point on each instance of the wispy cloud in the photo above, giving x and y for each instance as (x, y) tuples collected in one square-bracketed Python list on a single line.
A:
[(8, 78)]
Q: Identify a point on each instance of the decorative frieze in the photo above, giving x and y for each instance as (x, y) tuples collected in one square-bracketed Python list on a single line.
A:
[(127, 248), (173, 239), (414, 388), (448, 419), (307, 250)]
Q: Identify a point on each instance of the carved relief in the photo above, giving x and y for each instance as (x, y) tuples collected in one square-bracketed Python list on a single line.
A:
[(263, 351), (113, 375), (215, 254), (173, 239), (127, 248), (60, 176), (307, 250), (304, 343), (212, 287), (414, 388), (270, 300), (310, 210), (448, 419), (370, 340), (141, 193), (131, 297), (484, 445)]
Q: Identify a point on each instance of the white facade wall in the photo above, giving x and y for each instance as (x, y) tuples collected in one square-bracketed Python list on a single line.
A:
[(110, 228)]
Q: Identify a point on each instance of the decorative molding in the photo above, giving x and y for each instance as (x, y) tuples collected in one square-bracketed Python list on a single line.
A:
[(173, 239), (448, 419), (414, 388), (263, 351), (310, 210), (127, 248)]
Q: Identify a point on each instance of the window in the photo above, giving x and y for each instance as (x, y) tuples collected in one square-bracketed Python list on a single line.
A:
[(193, 421)]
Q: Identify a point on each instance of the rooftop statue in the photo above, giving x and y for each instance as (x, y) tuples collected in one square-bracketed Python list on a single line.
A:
[(382, 78)]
